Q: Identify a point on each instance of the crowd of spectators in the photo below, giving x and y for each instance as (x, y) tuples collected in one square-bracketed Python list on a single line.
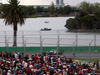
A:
[(19, 64)]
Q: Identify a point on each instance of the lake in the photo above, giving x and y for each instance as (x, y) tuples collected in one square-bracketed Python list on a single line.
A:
[(30, 33), (56, 23)]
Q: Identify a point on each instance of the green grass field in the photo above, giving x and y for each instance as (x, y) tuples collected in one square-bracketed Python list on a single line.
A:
[(87, 59)]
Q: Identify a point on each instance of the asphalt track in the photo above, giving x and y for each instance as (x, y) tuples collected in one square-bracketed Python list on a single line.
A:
[(81, 54)]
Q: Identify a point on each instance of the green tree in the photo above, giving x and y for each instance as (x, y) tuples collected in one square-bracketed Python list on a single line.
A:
[(87, 18), (56, 11), (85, 7), (74, 9), (97, 20), (30, 10), (71, 24), (66, 10), (60, 10), (39, 9), (52, 8), (87, 21), (13, 14), (96, 8)]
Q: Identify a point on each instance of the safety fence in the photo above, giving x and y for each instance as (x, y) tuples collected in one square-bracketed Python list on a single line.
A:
[(51, 38)]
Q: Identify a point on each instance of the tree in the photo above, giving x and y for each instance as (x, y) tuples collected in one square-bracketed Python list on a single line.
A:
[(66, 10), (85, 7), (39, 9), (96, 8), (97, 20), (70, 23), (13, 14), (88, 22), (52, 8), (30, 10), (60, 10)]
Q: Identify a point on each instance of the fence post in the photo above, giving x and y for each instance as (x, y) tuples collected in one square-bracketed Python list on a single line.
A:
[(24, 48), (74, 50), (90, 51), (76, 38), (95, 37), (5, 38), (22, 38), (57, 42), (7, 45), (41, 42)]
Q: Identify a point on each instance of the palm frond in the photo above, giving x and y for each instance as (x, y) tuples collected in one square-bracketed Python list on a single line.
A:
[(13, 12)]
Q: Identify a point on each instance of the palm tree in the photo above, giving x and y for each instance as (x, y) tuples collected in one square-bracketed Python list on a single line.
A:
[(13, 14)]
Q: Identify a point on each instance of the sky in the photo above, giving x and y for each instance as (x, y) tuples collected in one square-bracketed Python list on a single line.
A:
[(48, 2)]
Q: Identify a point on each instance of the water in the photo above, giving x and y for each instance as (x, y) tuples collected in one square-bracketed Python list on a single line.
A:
[(31, 32), (56, 23)]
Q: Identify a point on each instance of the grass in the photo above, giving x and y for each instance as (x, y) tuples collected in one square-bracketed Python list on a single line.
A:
[(87, 59)]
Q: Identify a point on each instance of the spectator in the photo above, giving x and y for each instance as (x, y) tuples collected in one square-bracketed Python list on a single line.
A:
[(17, 64), (97, 65)]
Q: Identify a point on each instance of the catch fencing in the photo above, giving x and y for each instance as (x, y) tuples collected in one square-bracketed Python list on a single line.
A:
[(51, 38)]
